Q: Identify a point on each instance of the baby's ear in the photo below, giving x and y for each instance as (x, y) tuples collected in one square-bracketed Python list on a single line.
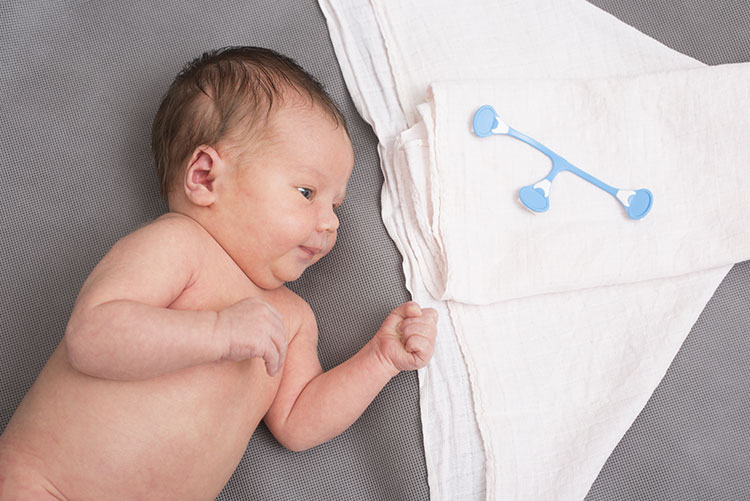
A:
[(202, 169)]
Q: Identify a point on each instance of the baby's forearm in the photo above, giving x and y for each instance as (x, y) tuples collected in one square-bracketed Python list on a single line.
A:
[(333, 401), (127, 340)]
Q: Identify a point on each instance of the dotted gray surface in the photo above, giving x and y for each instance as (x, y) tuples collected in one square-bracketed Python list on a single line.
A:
[(80, 82)]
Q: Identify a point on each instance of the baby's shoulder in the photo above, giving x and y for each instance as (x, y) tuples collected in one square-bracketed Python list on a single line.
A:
[(172, 234), (173, 231), (294, 301), (176, 224), (295, 305)]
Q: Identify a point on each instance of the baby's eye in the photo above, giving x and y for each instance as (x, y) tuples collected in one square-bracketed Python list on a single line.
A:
[(306, 192)]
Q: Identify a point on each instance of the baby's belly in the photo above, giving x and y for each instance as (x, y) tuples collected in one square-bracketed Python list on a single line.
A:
[(179, 436)]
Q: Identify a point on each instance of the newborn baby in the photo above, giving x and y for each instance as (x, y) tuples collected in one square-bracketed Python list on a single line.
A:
[(184, 337)]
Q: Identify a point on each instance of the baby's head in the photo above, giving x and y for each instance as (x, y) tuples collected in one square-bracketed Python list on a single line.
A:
[(250, 146)]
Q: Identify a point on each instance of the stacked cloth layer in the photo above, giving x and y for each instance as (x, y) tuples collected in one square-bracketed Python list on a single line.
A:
[(562, 322)]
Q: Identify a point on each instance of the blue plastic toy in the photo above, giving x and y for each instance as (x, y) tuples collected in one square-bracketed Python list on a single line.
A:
[(536, 196)]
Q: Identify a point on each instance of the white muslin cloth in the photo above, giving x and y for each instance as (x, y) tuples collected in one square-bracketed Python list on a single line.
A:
[(681, 134), (562, 322)]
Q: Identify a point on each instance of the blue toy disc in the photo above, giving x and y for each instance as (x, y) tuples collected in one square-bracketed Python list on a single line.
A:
[(640, 204), (484, 121), (534, 199)]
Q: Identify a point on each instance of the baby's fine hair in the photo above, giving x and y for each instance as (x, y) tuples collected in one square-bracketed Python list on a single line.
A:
[(224, 91)]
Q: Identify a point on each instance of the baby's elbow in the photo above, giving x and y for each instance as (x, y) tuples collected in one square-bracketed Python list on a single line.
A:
[(72, 348), (291, 440), (296, 445), (77, 349)]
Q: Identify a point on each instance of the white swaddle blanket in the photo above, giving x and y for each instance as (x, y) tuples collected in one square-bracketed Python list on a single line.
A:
[(680, 134), (565, 321)]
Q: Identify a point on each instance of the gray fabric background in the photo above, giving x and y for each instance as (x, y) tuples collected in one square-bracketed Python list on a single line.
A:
[(80, 82)]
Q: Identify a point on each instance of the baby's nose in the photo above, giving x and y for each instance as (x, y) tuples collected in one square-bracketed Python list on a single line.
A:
[(327, 220)]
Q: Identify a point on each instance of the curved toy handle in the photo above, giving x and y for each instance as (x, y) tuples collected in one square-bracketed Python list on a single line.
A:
[(486, 122)]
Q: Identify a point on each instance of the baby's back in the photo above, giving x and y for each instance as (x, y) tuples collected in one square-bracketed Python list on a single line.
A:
[(176, 436)]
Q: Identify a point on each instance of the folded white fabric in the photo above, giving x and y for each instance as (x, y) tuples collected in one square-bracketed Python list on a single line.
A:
[(559, 372), (681, 134)]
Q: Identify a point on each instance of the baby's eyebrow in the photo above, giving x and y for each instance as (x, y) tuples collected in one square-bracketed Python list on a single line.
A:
[(308, 168)]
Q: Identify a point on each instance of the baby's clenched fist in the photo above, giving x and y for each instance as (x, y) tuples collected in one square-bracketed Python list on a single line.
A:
[(252, 328), (406, 340)]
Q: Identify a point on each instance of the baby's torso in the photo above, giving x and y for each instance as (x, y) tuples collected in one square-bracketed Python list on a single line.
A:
[(177, 436)]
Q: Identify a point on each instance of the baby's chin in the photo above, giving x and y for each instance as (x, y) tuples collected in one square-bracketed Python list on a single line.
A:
[(284, 272), (270, 280), (280, 278), (292, 277)]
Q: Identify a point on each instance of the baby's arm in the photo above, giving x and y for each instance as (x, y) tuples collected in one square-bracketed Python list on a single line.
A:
[(312, 407), (121, 326)]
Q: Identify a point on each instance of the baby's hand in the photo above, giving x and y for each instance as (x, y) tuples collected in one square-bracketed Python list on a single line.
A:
[(252, 328), (406, 340)]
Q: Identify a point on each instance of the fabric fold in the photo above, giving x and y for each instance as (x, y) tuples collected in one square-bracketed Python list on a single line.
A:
[(559, 378), (681, 134), (551, 336)]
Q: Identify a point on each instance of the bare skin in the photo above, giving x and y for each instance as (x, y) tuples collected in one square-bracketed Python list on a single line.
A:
[(176, 433), (183, 338)]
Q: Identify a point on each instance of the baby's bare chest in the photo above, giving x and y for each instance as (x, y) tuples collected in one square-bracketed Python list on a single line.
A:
[(221, 283), (207, 411), (217, 284)]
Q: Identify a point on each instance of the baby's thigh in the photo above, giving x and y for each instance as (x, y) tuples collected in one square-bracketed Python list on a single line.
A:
[(21, 479)]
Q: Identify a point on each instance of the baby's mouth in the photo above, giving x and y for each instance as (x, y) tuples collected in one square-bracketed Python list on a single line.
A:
[(309, 251)]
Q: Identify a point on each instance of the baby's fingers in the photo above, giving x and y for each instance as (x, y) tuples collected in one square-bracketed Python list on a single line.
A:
[(279, 341), (412, 309), (274, 353), (424, 324), (419, 344), (418, 335), (273, 356), (430, 314)]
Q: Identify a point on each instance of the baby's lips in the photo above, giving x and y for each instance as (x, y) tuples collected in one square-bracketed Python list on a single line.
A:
[(310, 250)]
